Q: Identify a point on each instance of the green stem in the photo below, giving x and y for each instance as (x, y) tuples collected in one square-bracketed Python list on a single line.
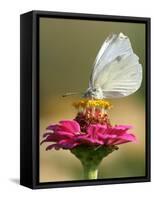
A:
[(90, 158), (90, 172)]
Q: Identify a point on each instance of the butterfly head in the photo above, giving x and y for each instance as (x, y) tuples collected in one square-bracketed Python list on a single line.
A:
[(94, 93)]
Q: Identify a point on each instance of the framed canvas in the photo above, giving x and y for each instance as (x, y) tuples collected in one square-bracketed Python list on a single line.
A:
[(85, 99)]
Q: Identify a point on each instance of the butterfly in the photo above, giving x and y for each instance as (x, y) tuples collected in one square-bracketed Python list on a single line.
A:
[(116, 70)]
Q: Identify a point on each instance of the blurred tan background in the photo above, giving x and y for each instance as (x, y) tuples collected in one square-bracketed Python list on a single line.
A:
[(67, 51)]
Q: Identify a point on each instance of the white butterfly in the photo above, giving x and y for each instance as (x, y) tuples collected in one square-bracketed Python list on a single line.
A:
[(116, 71)]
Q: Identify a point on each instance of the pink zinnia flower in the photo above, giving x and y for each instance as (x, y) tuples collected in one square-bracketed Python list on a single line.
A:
[(67, 135)]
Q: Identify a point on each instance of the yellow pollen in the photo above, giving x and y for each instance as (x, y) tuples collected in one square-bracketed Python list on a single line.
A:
[(90, 103)]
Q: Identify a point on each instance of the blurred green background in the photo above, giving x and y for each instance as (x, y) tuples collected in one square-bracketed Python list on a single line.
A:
[(67, 51)]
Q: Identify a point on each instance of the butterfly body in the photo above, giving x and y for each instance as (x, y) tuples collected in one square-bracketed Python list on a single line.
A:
[(94, 93)]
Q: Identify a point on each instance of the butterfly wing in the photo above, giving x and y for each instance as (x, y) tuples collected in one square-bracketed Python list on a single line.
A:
[(116, 68)]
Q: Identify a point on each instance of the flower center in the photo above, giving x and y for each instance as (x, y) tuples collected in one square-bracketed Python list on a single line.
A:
[(92, 103), (92, 111)]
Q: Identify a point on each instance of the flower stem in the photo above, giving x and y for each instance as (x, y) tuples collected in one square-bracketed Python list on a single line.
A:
[(90, 158), (90, 172)]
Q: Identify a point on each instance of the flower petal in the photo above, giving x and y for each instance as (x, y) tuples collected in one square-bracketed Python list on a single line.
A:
[(70, 125), (67, 135)]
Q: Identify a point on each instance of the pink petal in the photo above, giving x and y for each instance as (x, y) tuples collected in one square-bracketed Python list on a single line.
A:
[(46, 134), (67, 144), (64, 133), (56, 146), (52, 127), (90, 141), (93, 130), (70, 125), (126, 138), (55, 137), (124, 127), (122, 139)]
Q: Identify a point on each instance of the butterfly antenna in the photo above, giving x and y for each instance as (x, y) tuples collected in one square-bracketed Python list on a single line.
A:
[(70, 94)]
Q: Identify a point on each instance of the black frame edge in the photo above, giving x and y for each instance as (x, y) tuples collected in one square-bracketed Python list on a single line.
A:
[(148, 98), (89, 16), (26, 100)]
